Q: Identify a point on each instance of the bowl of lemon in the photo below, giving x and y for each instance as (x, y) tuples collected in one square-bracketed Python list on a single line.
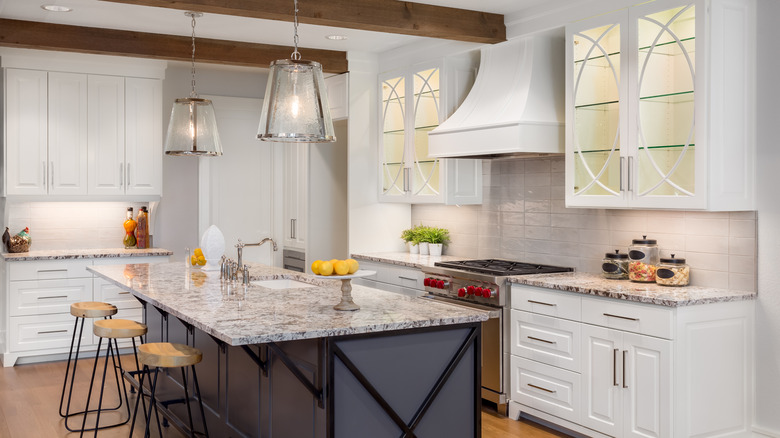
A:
[(344, 270), (197, 259)]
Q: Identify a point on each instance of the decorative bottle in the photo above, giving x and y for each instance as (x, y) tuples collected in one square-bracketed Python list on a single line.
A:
[(130, 225), (142, 231)]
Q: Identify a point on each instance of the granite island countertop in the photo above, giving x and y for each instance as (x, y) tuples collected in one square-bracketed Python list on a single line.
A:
[(256, 315), (651, 293), (67, 254), (405, 258)]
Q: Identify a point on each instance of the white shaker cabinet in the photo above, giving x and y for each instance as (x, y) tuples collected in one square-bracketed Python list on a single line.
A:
[(660, 107), (413, 101), (106, 140), (338, 95), (67, 134), (143, 136), (26, 132)]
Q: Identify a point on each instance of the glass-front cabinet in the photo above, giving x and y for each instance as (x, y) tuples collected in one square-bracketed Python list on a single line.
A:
[(645, 125), (413, 102)]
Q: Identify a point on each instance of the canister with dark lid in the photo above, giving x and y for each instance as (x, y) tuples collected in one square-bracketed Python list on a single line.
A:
[(673, 272), (643, 255), (615, 266)]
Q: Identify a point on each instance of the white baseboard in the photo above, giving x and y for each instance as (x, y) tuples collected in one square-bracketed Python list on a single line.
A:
[(759, 432)]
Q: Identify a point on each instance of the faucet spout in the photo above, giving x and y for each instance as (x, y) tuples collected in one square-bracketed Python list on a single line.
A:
[(240, 248)]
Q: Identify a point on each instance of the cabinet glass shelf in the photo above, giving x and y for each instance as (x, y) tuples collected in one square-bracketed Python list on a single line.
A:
[(433, 94), (596, 104), (420, 128), (678, 97), (666, 146), (641, 49)]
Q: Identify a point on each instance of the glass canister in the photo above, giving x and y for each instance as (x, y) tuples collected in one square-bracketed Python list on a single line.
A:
[(615, 266), (673, 272), (643, 258)]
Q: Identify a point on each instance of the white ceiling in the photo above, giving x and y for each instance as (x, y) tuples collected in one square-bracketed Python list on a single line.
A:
[(96, 13)]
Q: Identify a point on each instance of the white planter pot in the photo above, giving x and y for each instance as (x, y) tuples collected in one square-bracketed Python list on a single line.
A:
[(423, 248), (413, 248), (435, 248)]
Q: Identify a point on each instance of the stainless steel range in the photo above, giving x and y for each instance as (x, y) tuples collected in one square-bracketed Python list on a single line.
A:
[(482, 284)]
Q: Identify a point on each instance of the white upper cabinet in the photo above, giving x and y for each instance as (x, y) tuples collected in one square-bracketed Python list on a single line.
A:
[(338, 96), (143, 136), (659, 107), (26, 132), (413, 102), (78, 134)]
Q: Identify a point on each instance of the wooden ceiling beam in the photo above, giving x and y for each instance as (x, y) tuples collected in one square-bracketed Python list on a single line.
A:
[(47, 36), (389, 16)]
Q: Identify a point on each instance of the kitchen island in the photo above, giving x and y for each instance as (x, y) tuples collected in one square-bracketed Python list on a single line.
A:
[(282, 362)]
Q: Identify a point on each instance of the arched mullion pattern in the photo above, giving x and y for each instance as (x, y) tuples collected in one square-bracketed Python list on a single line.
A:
[(394, 97), (665, 177), (426, 85)]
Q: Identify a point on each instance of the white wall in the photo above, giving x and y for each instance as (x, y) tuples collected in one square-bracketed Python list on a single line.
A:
[(768, 305), (177, 215), (523, 217), (373, 226)]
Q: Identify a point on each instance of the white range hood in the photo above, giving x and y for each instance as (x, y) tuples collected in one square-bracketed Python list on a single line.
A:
[(516, 107)]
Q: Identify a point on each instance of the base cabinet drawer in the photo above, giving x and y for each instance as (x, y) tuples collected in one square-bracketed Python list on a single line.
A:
[(44, 332), (48, 269), (39, 297), (546, 302), (110, 293), (547, 388), (552, 341), (645, 319)]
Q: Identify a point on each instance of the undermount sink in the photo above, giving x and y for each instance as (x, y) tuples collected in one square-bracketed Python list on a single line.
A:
[(281, 283)]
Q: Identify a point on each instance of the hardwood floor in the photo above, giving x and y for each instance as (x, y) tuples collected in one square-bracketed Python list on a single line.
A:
[(30, 396)]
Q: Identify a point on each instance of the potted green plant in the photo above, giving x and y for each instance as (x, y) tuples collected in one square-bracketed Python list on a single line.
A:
[(409, 236), (437, 237), (423, 238)]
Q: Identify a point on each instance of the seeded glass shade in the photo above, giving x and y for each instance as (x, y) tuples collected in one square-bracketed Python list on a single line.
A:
[(295, 108), (192, 129)]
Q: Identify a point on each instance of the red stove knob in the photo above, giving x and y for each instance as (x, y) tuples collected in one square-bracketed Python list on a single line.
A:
[(439, 284), (478, 291), (462, 292), (488, 293), (427, 282), (470, 290)]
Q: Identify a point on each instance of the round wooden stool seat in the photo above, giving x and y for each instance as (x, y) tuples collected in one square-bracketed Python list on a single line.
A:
[(168, 355), (118, 328), (92, 309)]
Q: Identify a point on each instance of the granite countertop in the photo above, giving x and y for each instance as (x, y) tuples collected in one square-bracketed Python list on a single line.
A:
[(593, 284), (258, 315), (102, 253), (405, 259)]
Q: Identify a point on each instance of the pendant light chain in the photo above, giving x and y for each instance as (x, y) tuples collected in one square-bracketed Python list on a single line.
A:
[(296, 55), (193, 93)]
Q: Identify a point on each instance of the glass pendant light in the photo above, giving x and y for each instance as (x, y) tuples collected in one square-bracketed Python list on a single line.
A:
[(192, 129), (295, 108)]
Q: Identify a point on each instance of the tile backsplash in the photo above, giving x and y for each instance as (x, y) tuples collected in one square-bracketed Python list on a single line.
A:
[(523, 217), (70, 225)]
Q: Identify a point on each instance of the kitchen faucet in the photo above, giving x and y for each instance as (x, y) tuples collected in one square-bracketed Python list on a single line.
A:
[(240, 248)]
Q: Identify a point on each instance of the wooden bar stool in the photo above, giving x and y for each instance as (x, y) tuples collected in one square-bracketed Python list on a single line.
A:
[(82, 311), (112, 329), (168, 355)]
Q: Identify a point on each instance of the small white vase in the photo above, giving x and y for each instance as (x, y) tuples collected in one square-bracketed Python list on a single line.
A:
[(423, 248), (435, 248), (212, 243), (414, 248)]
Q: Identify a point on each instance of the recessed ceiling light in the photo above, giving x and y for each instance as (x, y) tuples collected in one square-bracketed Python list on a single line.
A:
[(336, 37), (56, 8)]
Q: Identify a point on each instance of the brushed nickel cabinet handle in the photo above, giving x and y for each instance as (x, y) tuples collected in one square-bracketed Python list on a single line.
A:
[(128, 175), (43, 174), (543, 389), (121, 175), (541, 340), (407, 278), (51, 270), (51, 175), (622, 164), (53, 297), (406, 179), (52, 331), (621, 317), (614, 367), (542, 303), (123, 293), (630, 164), (625, 352)]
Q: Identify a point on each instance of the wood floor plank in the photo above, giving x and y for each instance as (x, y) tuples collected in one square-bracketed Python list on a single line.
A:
[(30, 397)]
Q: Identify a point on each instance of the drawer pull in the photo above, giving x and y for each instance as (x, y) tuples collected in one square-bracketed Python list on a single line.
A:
[(624, 369), (621, 317), (407, 278), (52, 270), (543, 389), (541, 340), (52, 331), (123, 293), (614, 367), (54, 297), (542, 303)]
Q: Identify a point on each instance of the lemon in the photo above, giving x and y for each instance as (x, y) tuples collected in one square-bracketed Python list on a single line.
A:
[(201, 260), (198, 252), (353, 266), (315, 267), (341, 267), (333, 261), (326, 268), (194, 260)]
